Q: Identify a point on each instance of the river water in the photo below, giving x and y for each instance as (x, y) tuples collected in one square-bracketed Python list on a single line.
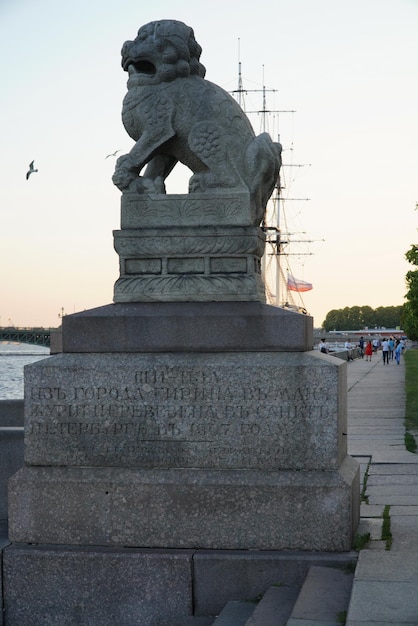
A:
[(13, 358)]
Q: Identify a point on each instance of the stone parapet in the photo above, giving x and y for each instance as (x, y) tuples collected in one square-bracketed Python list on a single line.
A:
[(11, 460), (11, 413), (11, 446)]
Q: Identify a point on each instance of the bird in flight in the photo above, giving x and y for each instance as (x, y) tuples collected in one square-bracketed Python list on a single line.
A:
[(112, 154), (31, 170)]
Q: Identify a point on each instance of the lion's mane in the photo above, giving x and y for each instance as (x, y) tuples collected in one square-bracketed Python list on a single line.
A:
[(179, 52)]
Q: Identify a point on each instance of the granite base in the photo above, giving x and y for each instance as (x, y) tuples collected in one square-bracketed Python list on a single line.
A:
[(67, 585), (187, 327), (61, 585), (232, 509)]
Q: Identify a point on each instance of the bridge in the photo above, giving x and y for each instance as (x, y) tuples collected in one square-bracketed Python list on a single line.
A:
[(33, 336)]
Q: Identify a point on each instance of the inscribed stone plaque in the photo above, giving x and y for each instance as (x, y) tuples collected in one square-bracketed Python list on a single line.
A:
[(215, 411)]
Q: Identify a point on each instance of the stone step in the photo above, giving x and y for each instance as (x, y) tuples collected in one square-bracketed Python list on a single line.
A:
[(275, 608), (324, 595), (198, 621), (235, 613)]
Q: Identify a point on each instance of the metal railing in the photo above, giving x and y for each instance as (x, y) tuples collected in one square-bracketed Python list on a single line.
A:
[(33, 336)]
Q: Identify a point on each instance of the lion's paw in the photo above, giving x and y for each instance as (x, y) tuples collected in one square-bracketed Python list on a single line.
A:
[(123, 179), (149, 185)]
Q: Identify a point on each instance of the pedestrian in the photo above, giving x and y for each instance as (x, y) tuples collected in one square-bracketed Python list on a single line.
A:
[(391, 347), (398, 351), (348, 346), (376, 343), (361, 346), (323, 346), (369, 351), (385, 351)]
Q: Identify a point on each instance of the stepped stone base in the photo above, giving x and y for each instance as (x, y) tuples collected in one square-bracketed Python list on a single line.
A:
[(65, 585), (52, 585), (187, 327), (175, 450), (171, 452), (296, 510)]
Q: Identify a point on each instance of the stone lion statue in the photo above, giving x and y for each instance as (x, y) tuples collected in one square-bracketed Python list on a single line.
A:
[(174, 114)]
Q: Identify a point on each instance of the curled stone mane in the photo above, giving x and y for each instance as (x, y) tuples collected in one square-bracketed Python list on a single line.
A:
[(179, 49)]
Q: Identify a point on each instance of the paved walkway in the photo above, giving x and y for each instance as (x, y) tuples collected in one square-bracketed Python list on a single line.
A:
[(385, 589)]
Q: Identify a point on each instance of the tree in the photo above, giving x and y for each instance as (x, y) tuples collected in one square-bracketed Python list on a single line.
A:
[(333, 320), (359, 317), (388, 316), (369, 317), (410, 321), (410, 311)]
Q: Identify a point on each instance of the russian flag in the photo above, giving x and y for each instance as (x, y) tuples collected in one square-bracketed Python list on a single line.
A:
[(294, 284)]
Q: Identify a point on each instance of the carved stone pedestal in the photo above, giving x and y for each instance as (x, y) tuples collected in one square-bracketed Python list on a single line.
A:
[(189, 248)]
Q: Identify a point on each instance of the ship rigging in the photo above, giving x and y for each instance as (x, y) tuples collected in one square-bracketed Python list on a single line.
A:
[(282, 288)]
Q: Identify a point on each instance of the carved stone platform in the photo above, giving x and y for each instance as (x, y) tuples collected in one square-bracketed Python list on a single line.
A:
[(189, 248)]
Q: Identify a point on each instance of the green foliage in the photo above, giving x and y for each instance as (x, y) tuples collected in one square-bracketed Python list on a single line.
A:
[(410, 443), (358, 317), (350, 568), (386, 532), (361, 541), (411, 389), (412, 255), (410, 312), (409, 320), (363, 496)]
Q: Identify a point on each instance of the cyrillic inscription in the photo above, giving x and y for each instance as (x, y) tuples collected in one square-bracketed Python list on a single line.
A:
[(173, 417)]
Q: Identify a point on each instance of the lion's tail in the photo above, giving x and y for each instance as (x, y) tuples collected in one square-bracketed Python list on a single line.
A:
[(263, 163)]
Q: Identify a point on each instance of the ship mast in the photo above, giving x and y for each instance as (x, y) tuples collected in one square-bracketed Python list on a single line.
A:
[(272, 218)]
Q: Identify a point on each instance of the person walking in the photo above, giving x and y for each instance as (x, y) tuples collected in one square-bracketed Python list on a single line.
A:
[(361, 346), (369, 351), (349, 347), (398, 351), (391, 348), (385, 351)]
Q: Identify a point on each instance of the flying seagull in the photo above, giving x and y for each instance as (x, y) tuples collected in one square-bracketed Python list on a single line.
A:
[(113, 154), (31, 170)]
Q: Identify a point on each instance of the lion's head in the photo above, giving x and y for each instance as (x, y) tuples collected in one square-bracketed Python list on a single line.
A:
[(161, 52)]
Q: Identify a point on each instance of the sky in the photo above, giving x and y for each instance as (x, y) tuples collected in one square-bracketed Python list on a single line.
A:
[(347, 70)]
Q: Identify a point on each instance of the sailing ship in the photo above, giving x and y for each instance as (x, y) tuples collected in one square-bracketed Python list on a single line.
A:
[(282, 288)]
